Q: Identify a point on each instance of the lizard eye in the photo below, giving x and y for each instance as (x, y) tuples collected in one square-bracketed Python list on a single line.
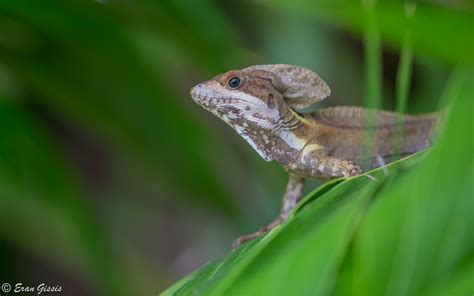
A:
[(234, 82)]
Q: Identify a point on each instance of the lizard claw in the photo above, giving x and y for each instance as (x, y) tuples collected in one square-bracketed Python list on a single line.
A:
[(247, 237), (262, 230)]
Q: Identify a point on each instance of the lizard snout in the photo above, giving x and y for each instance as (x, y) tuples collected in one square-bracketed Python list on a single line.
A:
[(196, 91)]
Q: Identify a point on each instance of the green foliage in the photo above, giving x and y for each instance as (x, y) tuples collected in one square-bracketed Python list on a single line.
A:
[(39, 196), (408, 232), (444, 34)]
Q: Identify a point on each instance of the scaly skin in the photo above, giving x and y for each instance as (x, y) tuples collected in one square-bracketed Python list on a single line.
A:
[(259, 102)]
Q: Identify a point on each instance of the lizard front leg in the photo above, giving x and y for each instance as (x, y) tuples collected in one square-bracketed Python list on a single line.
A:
[(331, 167), (292, 195), (314, 163)]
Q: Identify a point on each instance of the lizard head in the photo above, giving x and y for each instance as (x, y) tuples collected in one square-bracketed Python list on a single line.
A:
[(238, 97), (256, 101)]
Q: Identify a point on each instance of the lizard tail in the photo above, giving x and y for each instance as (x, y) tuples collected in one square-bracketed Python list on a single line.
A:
[(405, 135), (346, 132)]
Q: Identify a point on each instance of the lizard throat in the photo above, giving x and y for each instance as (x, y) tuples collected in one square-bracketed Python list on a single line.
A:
[(281, 144), (275, 134)]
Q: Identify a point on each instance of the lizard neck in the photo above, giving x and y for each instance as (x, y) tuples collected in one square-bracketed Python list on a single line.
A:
[(290, 136)]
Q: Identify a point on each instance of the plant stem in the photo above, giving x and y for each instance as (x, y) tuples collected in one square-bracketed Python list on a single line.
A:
[(404, 74), (373, 75), (404, 67)]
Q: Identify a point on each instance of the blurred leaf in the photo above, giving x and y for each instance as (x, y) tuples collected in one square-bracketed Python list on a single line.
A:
[(41, 208), (197, 31), (402, 234), (439, 32), (92, 66)]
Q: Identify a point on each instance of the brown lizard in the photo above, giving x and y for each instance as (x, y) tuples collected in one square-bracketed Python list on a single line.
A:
[(260, 103)]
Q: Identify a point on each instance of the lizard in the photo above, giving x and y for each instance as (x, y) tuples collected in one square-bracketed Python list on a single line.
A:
[(263, 104)]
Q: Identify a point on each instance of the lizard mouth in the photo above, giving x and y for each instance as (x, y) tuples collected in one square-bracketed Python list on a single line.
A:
[(213, 96), (201, 95)]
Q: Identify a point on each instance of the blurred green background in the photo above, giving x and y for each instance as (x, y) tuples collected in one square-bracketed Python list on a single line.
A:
[(112, 181)]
